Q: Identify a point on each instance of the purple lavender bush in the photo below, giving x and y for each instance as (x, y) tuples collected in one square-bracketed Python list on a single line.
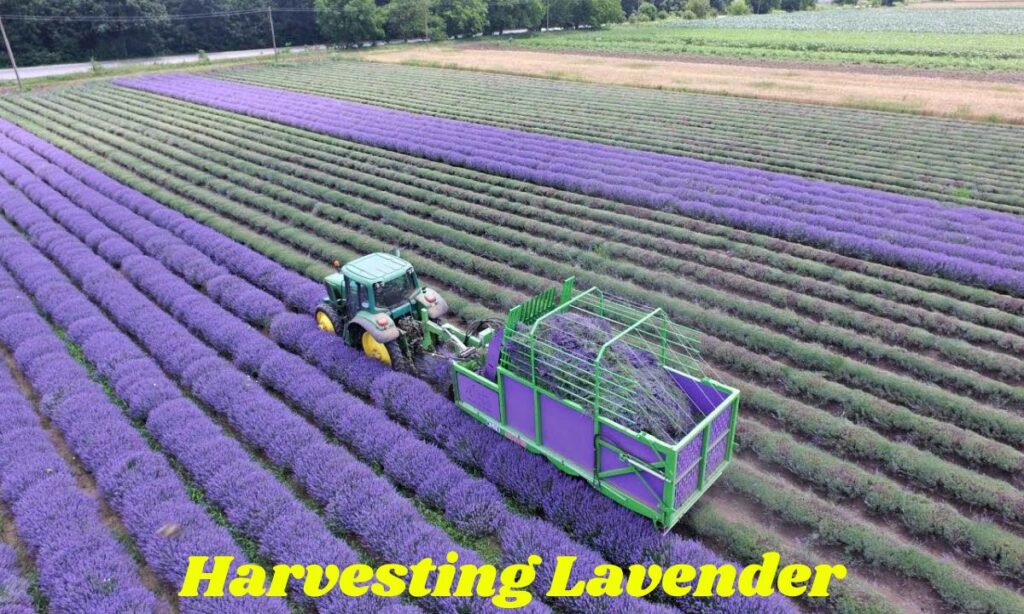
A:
[(969, 244), (255, 415), (58, 522), (636, 386), (14, 597), (625, 539)]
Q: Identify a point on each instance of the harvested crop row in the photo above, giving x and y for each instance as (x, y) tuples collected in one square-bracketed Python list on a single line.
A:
[(917, 49), (931, 481), (586, 250), (961, 243), (807, 261), (957, 586), (770, 135), (940, 404)]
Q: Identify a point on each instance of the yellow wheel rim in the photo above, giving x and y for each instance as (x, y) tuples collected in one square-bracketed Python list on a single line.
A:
[(323, 321), (375, 349)]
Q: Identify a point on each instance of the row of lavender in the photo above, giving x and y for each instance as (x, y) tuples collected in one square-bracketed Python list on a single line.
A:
[(254, 501), (139, 484), (14, 589), (257, 505), (620, 536), (960, 242), (471, 504), (57, 521)]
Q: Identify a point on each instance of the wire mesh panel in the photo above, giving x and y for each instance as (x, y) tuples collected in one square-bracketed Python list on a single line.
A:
[(607, 355)]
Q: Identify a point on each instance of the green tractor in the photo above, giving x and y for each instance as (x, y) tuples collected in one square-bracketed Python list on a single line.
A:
[(376, 303)]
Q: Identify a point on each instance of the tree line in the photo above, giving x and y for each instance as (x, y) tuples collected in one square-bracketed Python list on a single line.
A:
[(118, 29), (353, 22), (56, 31)]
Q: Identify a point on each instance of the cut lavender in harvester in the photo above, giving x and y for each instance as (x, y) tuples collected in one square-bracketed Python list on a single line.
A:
[(661, 408)]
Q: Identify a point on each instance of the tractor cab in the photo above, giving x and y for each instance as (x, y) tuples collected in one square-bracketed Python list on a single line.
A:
[(375, 283), (376, 302)]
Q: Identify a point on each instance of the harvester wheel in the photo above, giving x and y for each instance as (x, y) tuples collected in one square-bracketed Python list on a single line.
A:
[(326, 319)]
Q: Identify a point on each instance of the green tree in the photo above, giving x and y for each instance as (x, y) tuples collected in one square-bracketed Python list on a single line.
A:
[(604, 12), (700, 8), (463, 17), (647, 11), (738, 7), (407, 19), (763, 6), (576, 13), (514, 14), (350, 22)]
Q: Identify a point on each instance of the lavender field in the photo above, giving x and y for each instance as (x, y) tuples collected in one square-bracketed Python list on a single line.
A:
[(167, 393)]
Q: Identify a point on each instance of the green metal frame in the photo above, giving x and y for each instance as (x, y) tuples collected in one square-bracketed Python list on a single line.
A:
[(678, 351)]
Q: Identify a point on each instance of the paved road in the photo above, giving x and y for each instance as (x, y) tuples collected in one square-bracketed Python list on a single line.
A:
[(55, 70)]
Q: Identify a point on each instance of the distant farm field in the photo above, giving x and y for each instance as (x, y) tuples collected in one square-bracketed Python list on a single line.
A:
[(983, 40), (881, 150), (964, 21)]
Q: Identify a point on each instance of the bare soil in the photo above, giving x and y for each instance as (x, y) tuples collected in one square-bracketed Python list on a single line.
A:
[(972, 98)]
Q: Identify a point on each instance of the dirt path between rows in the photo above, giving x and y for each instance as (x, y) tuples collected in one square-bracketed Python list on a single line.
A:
[(954, 96)]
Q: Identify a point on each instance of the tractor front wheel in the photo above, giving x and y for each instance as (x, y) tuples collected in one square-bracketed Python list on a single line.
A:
[(326, 319)]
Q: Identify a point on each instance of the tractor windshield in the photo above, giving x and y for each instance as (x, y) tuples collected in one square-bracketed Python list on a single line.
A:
[(393, 293)]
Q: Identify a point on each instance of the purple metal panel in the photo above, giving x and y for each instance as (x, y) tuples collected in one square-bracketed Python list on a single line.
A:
[(687, 484), (628, 444), (716, 455), (479, 396), (685, 488), (704, 398), (519, 406), (493, 352), (636, 485), (567, 432)]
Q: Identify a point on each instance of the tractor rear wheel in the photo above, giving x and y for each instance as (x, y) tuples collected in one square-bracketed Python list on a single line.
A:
[(375, 349), (326, 319), (399, 362)]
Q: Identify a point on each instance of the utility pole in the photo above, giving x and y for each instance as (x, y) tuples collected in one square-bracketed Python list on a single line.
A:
[(273, 36), (10, 55), (426, 20)]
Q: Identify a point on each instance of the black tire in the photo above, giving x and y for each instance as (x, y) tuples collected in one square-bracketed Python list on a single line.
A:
[(399, 362), (331, 314)]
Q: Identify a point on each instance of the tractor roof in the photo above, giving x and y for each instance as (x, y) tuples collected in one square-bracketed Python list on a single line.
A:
[(375, 267)]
